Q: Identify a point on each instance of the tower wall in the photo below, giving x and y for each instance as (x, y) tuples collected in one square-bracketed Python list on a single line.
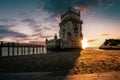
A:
[(71, 30)]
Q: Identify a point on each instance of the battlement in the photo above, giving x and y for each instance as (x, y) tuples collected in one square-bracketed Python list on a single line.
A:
[(69, 14)]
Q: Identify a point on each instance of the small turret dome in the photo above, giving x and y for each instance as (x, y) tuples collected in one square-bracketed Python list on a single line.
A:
[(55, 37)]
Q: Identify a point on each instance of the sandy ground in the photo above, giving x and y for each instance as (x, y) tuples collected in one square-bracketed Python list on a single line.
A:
[(45, 76), (73, 65)]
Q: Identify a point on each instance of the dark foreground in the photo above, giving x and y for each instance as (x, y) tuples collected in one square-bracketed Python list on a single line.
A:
[(46, 76), (73, 65)]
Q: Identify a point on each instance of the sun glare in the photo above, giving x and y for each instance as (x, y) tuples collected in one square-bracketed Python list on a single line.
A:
[(84, 43)]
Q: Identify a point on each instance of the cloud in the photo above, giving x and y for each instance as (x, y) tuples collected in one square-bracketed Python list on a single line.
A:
[(4, 20), (6, 32), (37, 30), (7, 20), (32, 23), (37, 42), (92, 15), (45, 36), (93, 40), (42, 26), (82, 9), (105, 34), (37, 27), (111, 3), (38, 9), (22, 14), (28, 20), (47, 28), (57, 18), (59, 6)]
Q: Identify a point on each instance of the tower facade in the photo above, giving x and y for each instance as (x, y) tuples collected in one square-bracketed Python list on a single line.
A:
[(70, 32), (71, 29)]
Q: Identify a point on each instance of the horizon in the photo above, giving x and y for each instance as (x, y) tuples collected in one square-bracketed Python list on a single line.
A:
[(32, 21)]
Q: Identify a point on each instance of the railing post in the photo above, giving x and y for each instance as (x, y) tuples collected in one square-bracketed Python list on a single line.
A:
[(13, 44), (36, 50), (39, 49), (28, 49), (24, 49), (17, 49), (1, 48), (42, 49), (8, 49), (33, 49), (21, 50)]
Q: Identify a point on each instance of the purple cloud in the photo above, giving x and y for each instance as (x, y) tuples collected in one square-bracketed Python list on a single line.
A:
[(37, 42), (6, 20), (6, 32)]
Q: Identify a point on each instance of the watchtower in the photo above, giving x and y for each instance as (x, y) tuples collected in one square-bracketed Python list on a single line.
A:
[(71, 29)]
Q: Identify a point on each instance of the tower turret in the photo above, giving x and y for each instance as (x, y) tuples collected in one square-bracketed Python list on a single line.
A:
[(55, 37), (46, 40), (71, 27)]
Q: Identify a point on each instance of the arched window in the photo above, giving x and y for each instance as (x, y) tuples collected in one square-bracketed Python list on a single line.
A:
[(69, 35)]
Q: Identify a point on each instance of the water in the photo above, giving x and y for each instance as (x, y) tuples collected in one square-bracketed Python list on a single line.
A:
[(5, 51), (92, 48)]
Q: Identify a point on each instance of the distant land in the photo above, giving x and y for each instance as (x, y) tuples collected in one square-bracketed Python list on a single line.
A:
[(92, 48)]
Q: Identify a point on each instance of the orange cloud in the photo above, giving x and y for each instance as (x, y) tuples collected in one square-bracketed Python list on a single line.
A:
[(105, 34), (93, 40), (45, 36)]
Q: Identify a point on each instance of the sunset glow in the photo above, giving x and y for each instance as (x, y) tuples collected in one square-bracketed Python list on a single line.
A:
[(84, 43)]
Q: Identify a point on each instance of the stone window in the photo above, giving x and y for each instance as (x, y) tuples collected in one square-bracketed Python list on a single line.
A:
[(63, 32), (76, 29), (68, 35)]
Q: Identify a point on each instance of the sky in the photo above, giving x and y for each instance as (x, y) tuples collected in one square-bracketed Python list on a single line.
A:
[(32, 21)]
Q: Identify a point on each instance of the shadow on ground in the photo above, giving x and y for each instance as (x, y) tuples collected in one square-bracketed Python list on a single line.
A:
[(57, 64)]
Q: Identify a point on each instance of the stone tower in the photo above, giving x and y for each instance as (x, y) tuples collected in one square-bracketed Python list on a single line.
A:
[(71, 29)]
